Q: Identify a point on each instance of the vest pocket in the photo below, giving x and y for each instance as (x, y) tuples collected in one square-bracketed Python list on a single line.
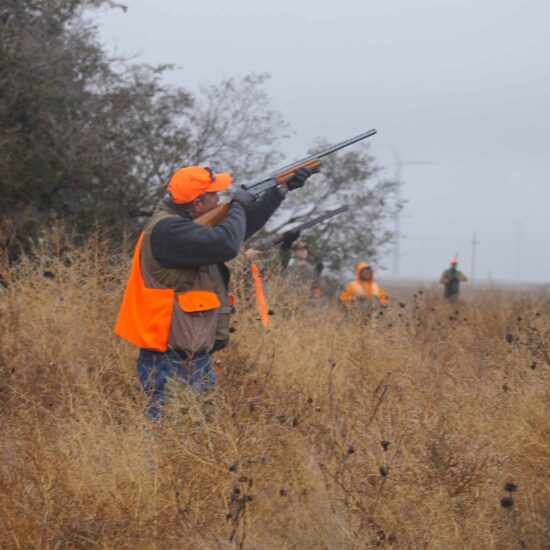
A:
[(198, 300), (194, 321)]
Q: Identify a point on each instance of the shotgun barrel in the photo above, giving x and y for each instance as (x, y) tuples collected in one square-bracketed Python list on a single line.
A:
[(268, 242), (270, 180)]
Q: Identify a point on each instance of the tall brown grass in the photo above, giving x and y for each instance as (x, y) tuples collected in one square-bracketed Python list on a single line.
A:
[(425, 427)]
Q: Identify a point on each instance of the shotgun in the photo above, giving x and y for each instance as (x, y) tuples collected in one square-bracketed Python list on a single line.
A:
[(279, 177), (268, 242)]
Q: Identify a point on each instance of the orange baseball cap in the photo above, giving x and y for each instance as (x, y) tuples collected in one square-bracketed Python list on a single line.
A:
[(189, 183), (454, 261)]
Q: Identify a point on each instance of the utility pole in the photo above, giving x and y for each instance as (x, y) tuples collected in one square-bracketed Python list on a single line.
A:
[(473, 264), (397, 220)]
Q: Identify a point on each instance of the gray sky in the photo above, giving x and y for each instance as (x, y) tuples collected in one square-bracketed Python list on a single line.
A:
[(462, 84)]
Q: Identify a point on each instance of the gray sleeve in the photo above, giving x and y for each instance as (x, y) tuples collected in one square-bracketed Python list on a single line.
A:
[(263, 210), (177, 242)]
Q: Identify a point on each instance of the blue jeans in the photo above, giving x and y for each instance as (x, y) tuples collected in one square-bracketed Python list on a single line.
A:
[(155, 368)]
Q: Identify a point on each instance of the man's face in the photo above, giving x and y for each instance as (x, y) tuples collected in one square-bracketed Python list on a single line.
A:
[(300, 253), (205, 203), (365, 274)]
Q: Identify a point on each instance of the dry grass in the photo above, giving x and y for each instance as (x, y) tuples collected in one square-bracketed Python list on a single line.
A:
[(330, 432)]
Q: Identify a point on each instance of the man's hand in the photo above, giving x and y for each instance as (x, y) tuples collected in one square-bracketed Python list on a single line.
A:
[(245, 198), (299, 178)]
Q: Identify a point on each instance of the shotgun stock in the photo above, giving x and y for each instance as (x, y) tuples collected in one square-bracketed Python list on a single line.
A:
[(279, 177)]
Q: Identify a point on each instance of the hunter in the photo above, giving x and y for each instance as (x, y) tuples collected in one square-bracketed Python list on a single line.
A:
[(176, 306), (364, 289), (451, 279)]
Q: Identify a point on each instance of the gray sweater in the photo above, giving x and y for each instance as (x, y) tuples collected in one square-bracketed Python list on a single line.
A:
[(180, 242)]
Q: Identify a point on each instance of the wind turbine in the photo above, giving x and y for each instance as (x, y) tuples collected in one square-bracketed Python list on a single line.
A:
[(397, 218)]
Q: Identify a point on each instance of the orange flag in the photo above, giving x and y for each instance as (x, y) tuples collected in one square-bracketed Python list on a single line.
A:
[(260, 297)]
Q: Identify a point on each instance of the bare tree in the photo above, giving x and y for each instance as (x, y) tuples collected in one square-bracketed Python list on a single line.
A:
[(234, 127)]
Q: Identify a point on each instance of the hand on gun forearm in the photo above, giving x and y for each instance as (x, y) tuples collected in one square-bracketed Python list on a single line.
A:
[(299, 178)]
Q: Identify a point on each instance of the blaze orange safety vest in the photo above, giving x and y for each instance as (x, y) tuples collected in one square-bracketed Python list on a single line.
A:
[(145, 315), (355, 288)]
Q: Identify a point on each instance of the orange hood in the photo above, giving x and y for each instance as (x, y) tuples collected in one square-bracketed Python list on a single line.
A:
[(359, 288), (361, 266)]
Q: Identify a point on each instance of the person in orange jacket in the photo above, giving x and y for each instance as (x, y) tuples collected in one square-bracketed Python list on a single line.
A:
[(363, 288)]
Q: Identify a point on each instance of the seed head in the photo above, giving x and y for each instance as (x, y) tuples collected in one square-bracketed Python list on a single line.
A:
[(384, 471), (510, 487), (509, 338), (507, 502), (385, 444)]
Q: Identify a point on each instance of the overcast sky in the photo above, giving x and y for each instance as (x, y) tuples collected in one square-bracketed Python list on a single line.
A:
[(462, 85)]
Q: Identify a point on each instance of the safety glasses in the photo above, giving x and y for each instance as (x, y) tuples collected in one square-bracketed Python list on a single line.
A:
[(211, 172)]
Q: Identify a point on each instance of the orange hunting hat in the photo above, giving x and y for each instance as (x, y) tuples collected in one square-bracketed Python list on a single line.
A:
[(189, 183)]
